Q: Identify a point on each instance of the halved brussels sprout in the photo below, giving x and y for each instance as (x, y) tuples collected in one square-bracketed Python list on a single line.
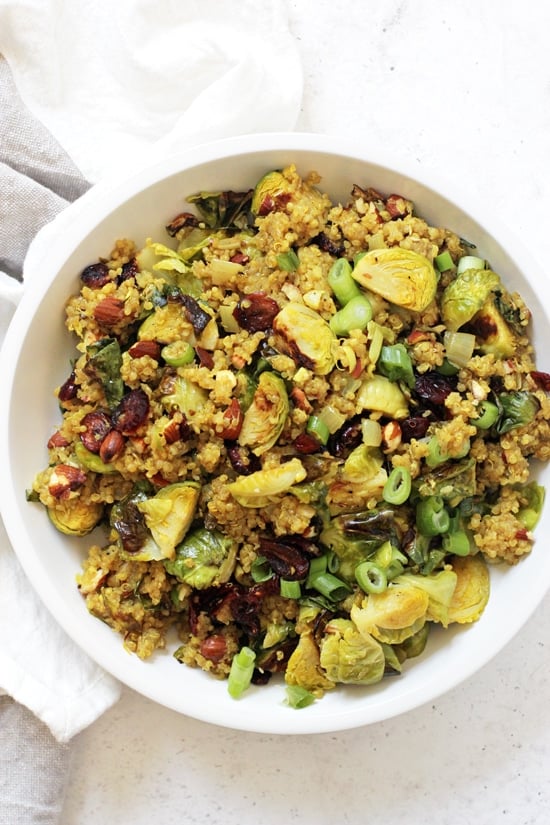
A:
[(178, 392), (401, 276), (472, 589), (306, 337), (75, 517), (379, 394), (438, 587), (203, 559), (465, 295), (265, 418), (393, 615), (256, 489), (169, 514), (304, 666), (268, 192), (493, 334), (349, 657)]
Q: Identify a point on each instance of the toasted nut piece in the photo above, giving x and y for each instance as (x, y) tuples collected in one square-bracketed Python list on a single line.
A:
[(111, 446), (141, 348), (65, 479), (109, 312), (214, 647), (57, 440), (391, 436)]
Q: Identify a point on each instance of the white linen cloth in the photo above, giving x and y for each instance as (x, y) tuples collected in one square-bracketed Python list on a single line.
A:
[(109, 86)]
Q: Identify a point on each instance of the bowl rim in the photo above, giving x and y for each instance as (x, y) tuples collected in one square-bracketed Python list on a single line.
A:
[(101, 200)]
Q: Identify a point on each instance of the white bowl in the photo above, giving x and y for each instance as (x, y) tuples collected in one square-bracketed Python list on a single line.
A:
[(35, 359)]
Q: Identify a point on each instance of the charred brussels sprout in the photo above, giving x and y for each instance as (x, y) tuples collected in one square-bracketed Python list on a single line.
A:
[(266, 416), (306, 336), (169, 514), (401, 276), (465, 295)]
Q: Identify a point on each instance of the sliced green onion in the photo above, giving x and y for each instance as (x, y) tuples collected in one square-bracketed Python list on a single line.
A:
[(356, 314), (469, 262), (432, 519), (178, 353), (446, 368), (317, 427), (288, 261), (298, 697), (488, 415), (260, 570), (341, 282), (459, 347), (370, 577), (435, 456), (395, 363), (329, 586), (444, 261), (457, 543), (333, 562), (397, 488), (240, 674), (290, 589), (530, 514)]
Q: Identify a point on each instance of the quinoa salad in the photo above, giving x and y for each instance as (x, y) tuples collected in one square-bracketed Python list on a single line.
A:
[(295, 434)]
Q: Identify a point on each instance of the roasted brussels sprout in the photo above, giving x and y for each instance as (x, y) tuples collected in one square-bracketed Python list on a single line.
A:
[(306, 337), (169, 514), (393, 615), (401, 276), (350, 657), (271, 192), (257, 489), (439, 588), (265, 418), (493, 334), (379, 394), (471, 593), (304, 666), (465, 295), (75, 517), (203, 559)]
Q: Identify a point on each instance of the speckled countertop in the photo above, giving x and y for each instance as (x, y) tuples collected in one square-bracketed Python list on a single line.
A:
[(462, 89)]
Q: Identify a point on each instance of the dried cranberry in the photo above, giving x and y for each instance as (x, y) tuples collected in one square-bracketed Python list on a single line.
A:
[(196, 315), (306, 444), (131, 413), (242, 460), (255, 312), (95, 275), (69, 389), (414, 427), (286, 561), (325, 244), (129, 270), (347, 438), (96, 426), (431, 389), (541, 379)]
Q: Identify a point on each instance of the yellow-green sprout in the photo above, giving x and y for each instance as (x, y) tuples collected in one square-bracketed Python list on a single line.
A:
[(472, 589), (304, 667), (465, 295), (265, 418), (438, 587), (401, 276), (349, 657), (393, 615)]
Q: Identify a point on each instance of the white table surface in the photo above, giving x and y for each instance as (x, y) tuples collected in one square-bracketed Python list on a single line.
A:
[(462, 87)]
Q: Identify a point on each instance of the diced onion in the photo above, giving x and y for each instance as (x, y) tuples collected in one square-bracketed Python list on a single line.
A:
[(332, 418), (459, 347), (372, 432)]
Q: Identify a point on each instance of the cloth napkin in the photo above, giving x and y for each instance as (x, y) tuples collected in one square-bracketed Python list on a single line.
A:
[(87, 89)]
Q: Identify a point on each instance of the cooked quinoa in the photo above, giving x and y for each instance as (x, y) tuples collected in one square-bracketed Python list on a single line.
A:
[(301, 428)]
